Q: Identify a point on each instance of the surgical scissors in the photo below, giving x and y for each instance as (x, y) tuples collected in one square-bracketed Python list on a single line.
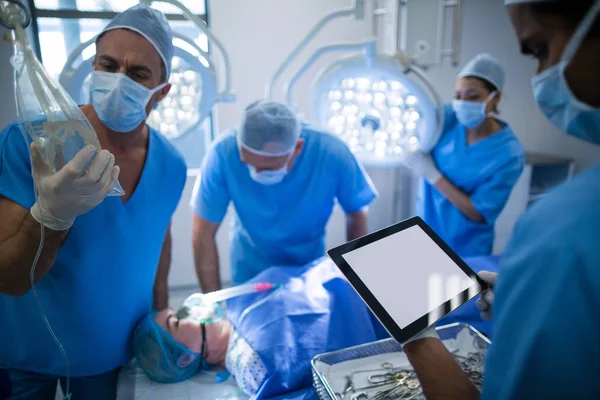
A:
[(399, 377), (402, 386)]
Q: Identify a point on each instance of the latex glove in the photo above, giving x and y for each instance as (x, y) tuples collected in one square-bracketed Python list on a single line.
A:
[(429, 332), (486, 299), (74, 190), (422, 165)]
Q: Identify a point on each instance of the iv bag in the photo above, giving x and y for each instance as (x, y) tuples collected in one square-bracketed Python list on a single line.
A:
[(47, 113)]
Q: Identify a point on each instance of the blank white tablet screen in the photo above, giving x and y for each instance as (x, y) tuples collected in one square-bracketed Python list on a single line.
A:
[(410, 275)]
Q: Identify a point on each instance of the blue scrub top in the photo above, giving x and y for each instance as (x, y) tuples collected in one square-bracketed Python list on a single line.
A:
[(547, 300), (486, 171), (101, 283), (281, 224)]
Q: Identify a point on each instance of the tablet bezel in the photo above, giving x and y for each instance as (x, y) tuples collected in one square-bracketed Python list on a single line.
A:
[(401, 335)]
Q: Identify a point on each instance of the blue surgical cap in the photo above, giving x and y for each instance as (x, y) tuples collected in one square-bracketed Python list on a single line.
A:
[(160, 356), (269, 129), (485, 67), (152, 25)]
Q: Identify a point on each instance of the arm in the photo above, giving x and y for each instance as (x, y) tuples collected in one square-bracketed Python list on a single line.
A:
[(78, 187), (439, 374), (356, 224), (459, 199), (205, 254), (161, 282), (19, 242)]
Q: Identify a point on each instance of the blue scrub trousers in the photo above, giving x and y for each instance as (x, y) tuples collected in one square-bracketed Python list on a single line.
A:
[(32, 386)]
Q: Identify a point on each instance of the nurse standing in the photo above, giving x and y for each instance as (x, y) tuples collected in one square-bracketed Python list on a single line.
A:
[(470, 173)]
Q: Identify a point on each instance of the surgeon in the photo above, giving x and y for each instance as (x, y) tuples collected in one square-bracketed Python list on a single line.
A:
[(546, 298), (105, 260), (283, 178), (472, 170)]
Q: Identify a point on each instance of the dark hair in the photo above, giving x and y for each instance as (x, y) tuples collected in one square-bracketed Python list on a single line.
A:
[(163, 69), (571, 11), (490, 87)]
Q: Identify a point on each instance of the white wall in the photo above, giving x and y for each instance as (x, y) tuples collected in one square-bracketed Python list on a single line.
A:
[(259, 33)]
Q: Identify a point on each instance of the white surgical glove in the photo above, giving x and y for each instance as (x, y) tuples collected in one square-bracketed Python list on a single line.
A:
[(486, 299), (74, 190), (429, 332), (422, 164)]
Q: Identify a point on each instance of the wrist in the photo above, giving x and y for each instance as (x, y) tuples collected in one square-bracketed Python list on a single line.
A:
[(428, 333), (40, 215)]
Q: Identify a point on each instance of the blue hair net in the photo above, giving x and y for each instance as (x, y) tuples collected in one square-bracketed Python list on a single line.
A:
[(152, 25), (269, 129), (485, 67), (160, 356)]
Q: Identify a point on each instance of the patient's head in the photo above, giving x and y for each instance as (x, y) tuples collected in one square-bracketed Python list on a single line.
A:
[(170, 350)]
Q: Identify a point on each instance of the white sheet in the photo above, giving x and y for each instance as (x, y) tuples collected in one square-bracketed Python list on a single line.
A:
[(134, 385)]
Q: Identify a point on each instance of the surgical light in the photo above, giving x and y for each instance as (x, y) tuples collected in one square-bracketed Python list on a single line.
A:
[(392, 112), (181, 110), (377, 95)]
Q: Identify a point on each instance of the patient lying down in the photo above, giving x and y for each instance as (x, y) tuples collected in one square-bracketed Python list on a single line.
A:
[(171, 350), (266, 341)]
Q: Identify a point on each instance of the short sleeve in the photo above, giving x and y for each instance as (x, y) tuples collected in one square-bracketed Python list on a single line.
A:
[(16, 182), (210, 197), (355, 189), (491, 196)]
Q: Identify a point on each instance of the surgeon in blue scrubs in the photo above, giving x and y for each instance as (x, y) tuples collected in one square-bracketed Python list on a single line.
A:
[(546, 299), (105, 260), (472, 170), (283, 178)]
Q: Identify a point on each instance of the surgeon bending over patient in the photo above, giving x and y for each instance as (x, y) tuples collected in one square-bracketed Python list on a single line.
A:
[(283, 178)]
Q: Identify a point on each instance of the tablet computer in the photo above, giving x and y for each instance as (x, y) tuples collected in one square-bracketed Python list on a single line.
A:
[(407, 275)]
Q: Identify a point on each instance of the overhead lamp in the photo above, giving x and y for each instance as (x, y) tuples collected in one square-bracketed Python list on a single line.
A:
[(372, 104)]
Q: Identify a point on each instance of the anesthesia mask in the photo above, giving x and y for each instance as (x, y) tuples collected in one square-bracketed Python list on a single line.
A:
[(206, 308), (198, 309)]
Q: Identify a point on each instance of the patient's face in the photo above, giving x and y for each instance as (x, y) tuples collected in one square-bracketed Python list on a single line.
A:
[(188, 333)]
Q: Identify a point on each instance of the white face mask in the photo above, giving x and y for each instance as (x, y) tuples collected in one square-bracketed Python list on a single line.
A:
[(119, 101), (470, 113), (268, 177)]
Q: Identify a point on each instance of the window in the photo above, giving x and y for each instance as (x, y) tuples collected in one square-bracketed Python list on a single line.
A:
[(62, 25)]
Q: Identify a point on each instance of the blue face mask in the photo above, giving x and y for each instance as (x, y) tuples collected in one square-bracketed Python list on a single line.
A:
[(119, 101), (556, 100), (268, 177), (470, 113)]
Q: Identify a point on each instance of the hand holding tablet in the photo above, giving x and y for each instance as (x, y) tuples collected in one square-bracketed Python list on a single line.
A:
[(407, 276)]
